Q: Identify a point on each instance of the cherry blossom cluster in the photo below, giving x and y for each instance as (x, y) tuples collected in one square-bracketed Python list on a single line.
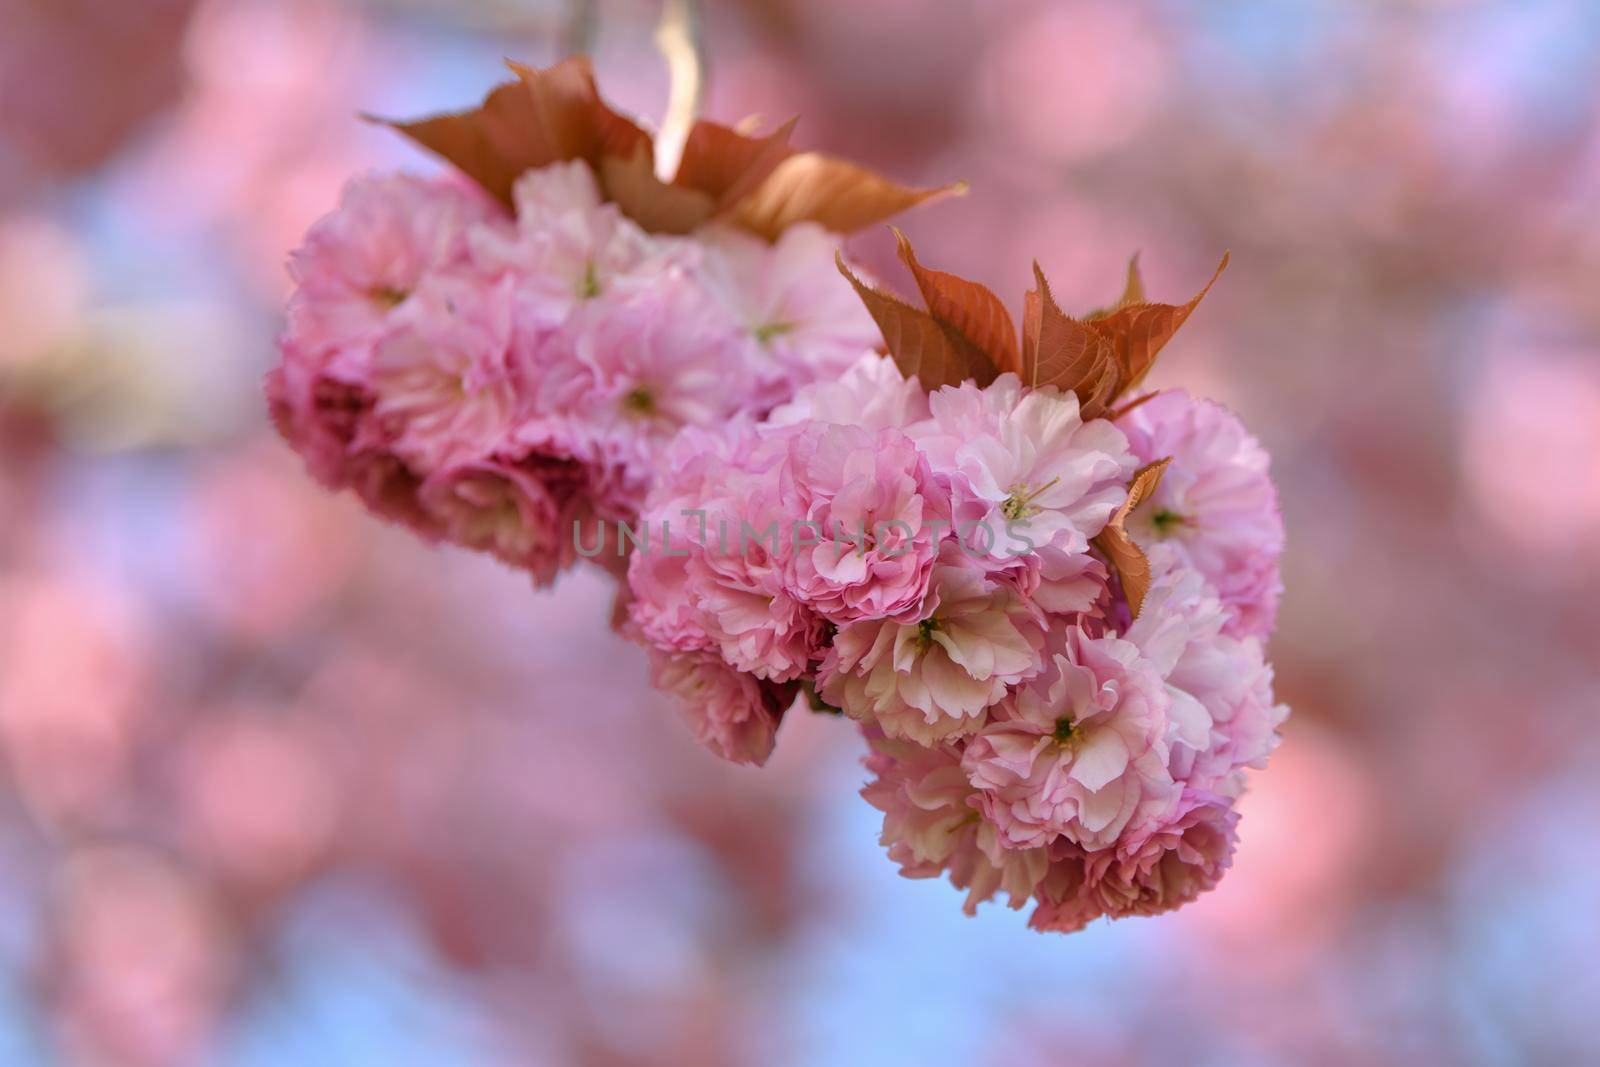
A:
[(491, 377), (930, 565)]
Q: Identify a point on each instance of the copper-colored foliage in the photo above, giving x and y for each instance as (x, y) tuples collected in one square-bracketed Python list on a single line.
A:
[(1103, 356), (920, 344), (1115, 543), (544, 117), (1138, 331), (1133, 289), (728, 165), (1059, 350), (972, 310), (838, 195), (554, 115), (652, 203)]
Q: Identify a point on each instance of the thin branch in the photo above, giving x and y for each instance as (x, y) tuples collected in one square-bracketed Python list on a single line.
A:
[(583, 24), (681, 38)]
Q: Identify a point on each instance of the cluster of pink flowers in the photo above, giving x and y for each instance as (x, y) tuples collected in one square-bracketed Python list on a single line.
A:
[(923, 563), (491, 378)]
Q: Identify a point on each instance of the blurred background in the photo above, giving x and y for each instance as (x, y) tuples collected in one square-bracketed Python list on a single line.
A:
[(278, 785)]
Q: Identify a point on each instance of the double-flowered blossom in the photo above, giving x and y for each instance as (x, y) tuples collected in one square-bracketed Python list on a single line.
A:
[(1045, 611), (500, 362), (1039, 591)]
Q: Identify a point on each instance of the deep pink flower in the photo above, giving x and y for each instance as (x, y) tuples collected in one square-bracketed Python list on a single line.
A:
[(717, 579), (513, 511), (866, 522), (733, 714)]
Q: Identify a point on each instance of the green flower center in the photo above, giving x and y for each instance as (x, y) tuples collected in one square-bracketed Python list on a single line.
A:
[(589, 287), (389, 297), (1019, 505), (639, 401), (1167, 522), (1064, 729), (768, 331)]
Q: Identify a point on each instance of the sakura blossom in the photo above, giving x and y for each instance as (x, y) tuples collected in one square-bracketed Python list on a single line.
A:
[(559, 343), (1216, 504), (934, 570)]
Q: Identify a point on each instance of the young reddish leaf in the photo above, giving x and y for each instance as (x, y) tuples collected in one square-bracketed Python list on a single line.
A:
[(1115, 543), (652, 203), (968, 308), (919, 344), (1133, 290), (838, 195), (728, 165), (489, 144), (571, 108), (1059, 350), (546, 116), (1137, 332), (554, 115)]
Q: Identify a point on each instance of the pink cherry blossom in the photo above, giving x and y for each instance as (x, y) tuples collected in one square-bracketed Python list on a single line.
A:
[(361, 263), (934, 679), (871, 394), (870, 523), (441, 376), (430, 331), (568, 247), (733, 714), (1077, 754), (798, 324), (1216, 503), (931, 825), (1169, 861), (513, 511), (1223, 715), (1028, 465)]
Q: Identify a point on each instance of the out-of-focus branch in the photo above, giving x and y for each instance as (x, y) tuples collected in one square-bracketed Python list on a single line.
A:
[(583, 21), (681, 38)]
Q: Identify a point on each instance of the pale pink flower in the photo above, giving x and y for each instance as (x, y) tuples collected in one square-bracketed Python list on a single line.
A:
[(569, 247), (635, 371), (799, 319), (1216, 503), (931, 825), (1223, 717), (363, 261), (871, 394), (441, 376), (733, 714), (867, 522), (1034, 474), (1077, 754), (933, 679)]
